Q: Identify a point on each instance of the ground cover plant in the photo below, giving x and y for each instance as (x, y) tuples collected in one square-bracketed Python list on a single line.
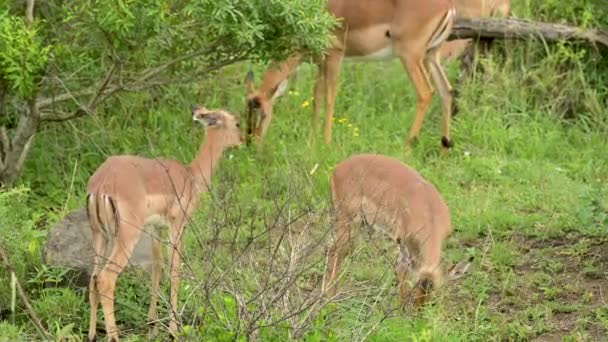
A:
[(526, 183)]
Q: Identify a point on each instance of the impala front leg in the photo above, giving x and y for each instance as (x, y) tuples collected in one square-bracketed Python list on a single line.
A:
[(332, 70), (318, 96), (424, 92), (445, 92)]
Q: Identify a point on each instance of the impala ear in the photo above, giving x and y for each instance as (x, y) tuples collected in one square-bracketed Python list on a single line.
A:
[(249, 82), (279, 90), (458, 270), (210, 119)]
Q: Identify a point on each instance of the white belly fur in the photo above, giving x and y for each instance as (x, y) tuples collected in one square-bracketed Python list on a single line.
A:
[(380, 55), (155, 226), (155, 220)]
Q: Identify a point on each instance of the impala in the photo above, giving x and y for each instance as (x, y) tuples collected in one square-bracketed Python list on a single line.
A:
[(473, 9), (129, 193), (385, 194), (411, 30)]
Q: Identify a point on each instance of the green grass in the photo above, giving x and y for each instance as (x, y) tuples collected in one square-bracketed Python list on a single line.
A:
[(526, 183)]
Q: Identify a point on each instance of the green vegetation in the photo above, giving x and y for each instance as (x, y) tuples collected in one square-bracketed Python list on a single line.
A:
[(526, 183)]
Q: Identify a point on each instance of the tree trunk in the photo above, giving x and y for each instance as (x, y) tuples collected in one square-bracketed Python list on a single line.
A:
[(512, 28), (14, 151)]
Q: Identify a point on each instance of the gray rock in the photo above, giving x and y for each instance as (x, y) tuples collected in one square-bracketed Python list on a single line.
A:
[(68, 244)]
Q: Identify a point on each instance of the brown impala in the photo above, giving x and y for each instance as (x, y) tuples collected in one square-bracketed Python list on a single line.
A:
[(127, 193), (412, 30), (383, 193)]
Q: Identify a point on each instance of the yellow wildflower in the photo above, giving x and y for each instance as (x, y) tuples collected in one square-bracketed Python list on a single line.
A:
[(342, 120), (350, 125), (305, 104)]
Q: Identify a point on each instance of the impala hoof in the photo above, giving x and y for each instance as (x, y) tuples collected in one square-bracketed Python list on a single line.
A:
[(446, 142)]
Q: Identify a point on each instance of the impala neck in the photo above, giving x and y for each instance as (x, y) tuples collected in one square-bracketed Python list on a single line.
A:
[(277, 73), (208, 157)]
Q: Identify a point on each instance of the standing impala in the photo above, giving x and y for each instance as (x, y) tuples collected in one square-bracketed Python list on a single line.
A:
[(412, 30), (385, 194), (127, 193)]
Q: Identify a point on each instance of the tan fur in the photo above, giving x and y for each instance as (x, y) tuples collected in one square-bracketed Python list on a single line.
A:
[(473, 9), (411, 30), (381, 191), (127, 193)]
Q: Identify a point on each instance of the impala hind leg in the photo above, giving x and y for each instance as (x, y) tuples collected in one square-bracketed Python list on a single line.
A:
[(128, 233), (175, 238), (403, 268), (445, 92), (155, 277), (98, 260)]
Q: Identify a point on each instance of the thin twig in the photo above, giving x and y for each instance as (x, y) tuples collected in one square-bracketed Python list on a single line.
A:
[(28, 307)]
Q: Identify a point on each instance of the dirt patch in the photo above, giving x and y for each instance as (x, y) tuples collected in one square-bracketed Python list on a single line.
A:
[(558, 286)]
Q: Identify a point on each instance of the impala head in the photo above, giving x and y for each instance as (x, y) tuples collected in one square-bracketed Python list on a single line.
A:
[(219, 123), (428, 281), (259, 106)]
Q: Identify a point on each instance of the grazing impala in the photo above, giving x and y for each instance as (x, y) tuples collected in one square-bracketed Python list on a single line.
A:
[(473, 9), (385, 194), (411, 30), (127, 193)]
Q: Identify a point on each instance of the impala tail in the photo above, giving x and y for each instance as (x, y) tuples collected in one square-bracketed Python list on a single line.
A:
[(103, 212)]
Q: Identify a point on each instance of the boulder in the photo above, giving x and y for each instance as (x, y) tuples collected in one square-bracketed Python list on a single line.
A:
[(68, 244)]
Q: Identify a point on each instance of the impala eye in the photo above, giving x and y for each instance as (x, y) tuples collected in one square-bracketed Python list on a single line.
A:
[(238, 125)]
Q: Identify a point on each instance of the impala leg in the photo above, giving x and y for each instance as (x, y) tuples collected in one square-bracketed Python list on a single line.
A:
[(129, 231), (174, 267), (424, 92), (445, 92), (318, 97), (156, 276), (343, 239), (404, 267), (98, 248), (332, 71)]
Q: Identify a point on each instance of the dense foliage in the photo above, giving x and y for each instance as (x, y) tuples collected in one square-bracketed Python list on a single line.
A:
[(75, 55)]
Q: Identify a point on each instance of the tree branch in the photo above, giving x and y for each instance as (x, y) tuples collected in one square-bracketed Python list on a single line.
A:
[(141, 83), (512, 28)]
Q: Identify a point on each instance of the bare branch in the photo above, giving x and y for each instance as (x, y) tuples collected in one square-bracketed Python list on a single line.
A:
[(103, 86), (512, 28), (104, 92)]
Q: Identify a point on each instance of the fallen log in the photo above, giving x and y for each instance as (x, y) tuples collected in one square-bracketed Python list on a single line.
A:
[(512, 28)]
